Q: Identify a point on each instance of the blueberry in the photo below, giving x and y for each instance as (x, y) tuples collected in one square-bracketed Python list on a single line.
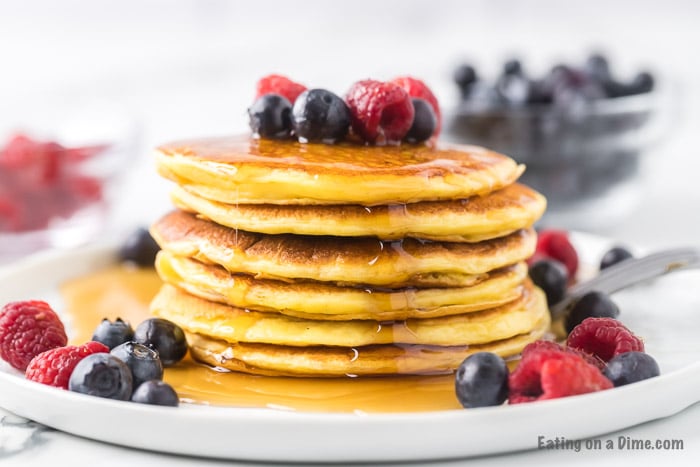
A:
[(271, 117), (482, 380), (465, 76), (139, 248), (165, 337), (631, 367), (598, 68), (551, 276), (643, 82), (143, 361), (614, 256), (424, 122), (102, 375), (155, 392), (591, 305), (320, 115), (614, 89), (114, 333), (513, 67)]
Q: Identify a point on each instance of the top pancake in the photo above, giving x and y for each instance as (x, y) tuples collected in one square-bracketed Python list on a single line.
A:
[(250, 171)]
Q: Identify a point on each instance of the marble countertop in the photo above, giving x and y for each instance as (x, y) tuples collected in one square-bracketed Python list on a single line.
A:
[(184, 69), (24, 443)]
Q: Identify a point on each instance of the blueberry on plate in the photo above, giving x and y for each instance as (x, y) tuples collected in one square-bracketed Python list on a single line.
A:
[(482, 380), (156, 392), (424, 122), (139, 248), (114, 333), (550, 275), (102, 375), (144, 362), (271, 117), (165, 337), (320, 115), (631, 367), (614, 256), (591, 305)]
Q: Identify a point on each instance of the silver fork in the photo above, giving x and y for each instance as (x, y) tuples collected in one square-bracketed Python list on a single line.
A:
[(630, 272)]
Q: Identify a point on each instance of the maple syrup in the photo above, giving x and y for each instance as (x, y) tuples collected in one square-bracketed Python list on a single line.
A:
[(121, 291)]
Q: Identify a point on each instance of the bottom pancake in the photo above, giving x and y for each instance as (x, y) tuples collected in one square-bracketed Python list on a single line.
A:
[(326, 361)]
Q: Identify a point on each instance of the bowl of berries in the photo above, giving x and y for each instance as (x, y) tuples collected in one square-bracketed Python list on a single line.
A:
[(579, 128), (58, 179)]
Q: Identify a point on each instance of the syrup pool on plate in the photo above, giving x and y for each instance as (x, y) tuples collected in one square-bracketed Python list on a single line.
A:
[(121, 291)]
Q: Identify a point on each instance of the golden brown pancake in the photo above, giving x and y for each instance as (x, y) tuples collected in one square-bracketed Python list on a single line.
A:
[(321, 300), (343, 261), (280, 360), (259, 171), (468, 220), (196, 315)]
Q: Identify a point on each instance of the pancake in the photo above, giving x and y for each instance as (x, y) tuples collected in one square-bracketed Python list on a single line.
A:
[(320, 300), (241, 169), (197, 315), (466, 220), (343, 261), (320, 361)]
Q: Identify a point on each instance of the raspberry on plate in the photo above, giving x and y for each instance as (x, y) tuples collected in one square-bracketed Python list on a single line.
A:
[(549, 371), (555, 244), (55, 366), (604, 338), (381, 112), (417, 88), (278, 84), (28, 328)]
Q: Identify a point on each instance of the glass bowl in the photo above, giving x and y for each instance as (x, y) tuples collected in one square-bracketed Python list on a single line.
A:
[(580, 157), (61, 167)]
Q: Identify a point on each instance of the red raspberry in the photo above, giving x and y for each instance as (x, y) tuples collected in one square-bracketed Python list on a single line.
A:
[(278, 84), (83, 153), (417, 88), (555, 244), (548, 371), (26, 329), (543, 345), (54, 366), (604, 338), (381, 112), (37, 164)]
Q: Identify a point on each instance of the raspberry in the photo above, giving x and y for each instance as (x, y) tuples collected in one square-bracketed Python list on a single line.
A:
[(55, 366), (278, 84), (380, 112), (549, 346), (548, 371), (604, 338), (555, 244), (27, 329), (36, 163), (417, 88)]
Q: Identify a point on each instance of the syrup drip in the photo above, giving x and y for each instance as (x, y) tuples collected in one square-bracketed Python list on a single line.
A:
[(123, 292)]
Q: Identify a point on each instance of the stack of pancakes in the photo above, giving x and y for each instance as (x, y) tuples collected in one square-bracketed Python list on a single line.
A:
[(326, 260)]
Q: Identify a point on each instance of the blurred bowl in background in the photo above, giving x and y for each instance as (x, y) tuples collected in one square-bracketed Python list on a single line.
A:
[(61, 168), (584, 158)]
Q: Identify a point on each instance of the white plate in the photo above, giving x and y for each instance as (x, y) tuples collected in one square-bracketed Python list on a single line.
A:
[(664, 312)]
